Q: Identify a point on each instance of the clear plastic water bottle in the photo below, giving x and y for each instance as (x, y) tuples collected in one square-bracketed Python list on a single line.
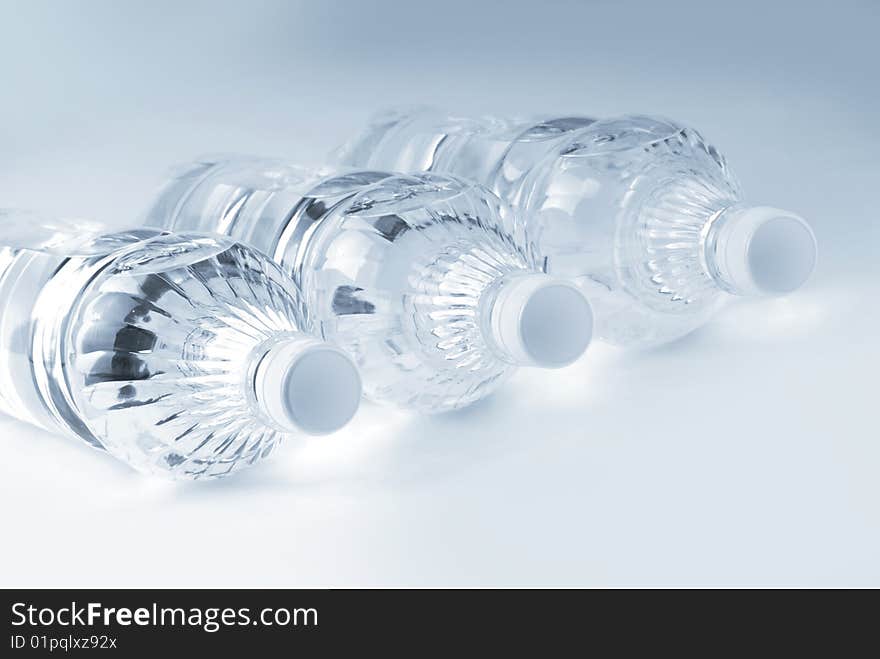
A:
[(426, 279), (641, 211), (180, 354)]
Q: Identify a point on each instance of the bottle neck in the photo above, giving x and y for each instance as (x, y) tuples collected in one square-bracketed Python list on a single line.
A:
[(758, 250), (532, 319)]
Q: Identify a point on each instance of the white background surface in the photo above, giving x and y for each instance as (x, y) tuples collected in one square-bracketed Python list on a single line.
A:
[(746, 454)]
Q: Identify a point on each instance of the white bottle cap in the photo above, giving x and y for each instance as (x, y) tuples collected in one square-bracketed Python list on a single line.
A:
[(764, 251), (541, 321), (305, 385)]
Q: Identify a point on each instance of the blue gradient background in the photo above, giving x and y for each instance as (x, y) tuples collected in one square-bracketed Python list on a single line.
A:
[(746, 454)]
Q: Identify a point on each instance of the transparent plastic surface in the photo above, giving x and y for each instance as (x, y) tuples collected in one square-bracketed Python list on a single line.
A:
[(425, 279), (630, 207), (148, 344)]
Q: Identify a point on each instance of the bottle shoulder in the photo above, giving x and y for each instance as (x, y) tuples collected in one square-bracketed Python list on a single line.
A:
[(149, 358), (624, 204), (397, 272)]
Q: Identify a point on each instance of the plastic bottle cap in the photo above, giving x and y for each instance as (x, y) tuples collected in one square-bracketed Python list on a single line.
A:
[(768, 251), (542, 321), (303, 384), (782, 254)]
